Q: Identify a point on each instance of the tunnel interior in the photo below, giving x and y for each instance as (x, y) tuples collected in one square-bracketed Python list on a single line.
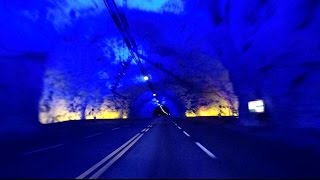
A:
[(160, 111), (209, 63), (159, 89)]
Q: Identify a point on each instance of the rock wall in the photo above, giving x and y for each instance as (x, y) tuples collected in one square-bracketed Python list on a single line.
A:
[(273, 53)]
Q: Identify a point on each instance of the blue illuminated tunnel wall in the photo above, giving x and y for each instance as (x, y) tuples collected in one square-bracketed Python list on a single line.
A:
[(200, 55), (90, 53)]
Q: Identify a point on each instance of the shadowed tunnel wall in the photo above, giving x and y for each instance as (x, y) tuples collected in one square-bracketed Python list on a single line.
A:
[(273, 53), (20, 90)]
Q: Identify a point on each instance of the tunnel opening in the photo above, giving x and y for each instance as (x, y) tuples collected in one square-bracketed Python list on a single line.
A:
[(160, 111)]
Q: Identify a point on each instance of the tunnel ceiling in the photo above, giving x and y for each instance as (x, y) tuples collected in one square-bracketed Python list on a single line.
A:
[(87, 52)]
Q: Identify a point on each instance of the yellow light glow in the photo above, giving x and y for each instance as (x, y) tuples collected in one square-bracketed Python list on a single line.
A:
[(105, 114), (189, 113), (59, 113), (208, 111), (212, 110)]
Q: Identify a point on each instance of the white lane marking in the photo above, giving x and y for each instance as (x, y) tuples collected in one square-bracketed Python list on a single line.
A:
[(151, 126), (144, 130), (113, 160), (179, 127), (186, 133), (35, 151), (94, 167), (206, 150), (147, 130), (93, 135), (115, 128)]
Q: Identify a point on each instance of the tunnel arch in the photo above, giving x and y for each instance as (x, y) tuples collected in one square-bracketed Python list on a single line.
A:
[(277, 64), (143, 106), (160, 111)]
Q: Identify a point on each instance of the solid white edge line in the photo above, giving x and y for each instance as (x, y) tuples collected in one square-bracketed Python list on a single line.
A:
[(94, 167), (186, 134), (205, 150), (114, 159), (42, 149)]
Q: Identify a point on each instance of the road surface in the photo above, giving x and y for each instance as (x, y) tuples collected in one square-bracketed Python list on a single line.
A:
[(157, 148)]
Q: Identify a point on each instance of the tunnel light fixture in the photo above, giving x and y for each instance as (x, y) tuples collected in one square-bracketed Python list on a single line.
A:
[(256, 106), (146, 78), (154, 94), (164, 110)]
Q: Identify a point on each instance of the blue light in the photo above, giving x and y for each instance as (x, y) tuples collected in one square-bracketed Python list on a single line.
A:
[(156, 6)]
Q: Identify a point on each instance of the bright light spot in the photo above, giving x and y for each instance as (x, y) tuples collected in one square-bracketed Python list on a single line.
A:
[(105, 115), (146, 78), (158, 6), (208, 111), (154, 95), (124, 117), (256, 106)]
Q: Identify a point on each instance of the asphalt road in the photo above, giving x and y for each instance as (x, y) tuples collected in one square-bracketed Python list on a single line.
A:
[(157, 148)]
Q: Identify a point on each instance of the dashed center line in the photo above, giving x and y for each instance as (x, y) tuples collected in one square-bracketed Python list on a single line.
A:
[(186, 133), (210, 154), (205, 150), (93, 135), (35, 151)]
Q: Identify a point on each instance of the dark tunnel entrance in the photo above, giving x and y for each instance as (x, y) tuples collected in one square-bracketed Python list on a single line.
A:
[(161, 111)]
